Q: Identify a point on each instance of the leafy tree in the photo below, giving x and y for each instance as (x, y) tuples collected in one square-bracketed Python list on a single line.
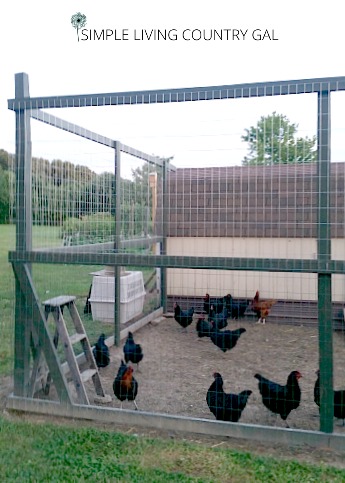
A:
[(274, 140), (4, 196), (4, 159)]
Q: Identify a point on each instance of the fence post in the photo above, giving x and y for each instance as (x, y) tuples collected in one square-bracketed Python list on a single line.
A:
[(165, 221), (117, 268), (324, 256), (23, 235)]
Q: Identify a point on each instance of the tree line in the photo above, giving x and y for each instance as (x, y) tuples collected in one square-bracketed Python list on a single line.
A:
[(63, 191), (65, 195)]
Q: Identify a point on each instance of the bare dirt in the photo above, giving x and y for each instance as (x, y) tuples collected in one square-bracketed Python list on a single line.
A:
[(177, 370)]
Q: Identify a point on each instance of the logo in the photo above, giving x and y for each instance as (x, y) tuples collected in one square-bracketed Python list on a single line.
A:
[(78, 21)]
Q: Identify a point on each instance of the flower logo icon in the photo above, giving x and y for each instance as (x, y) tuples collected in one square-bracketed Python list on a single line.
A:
[(78, 20)]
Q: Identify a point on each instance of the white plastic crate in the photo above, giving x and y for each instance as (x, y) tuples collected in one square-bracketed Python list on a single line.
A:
[(131, 299)]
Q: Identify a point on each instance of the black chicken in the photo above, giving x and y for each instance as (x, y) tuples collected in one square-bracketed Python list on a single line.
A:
[(101, 352), (339, 399), (132, 351), (236, 308), (125, 386), (226, 339), (225, 407), (220, 320), (87, 307), (317, 389), (281, 399), (218, 304), (203, 328), (183, 317)]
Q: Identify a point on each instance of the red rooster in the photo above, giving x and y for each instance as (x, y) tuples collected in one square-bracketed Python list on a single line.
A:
[(261, 307), (125, 386)]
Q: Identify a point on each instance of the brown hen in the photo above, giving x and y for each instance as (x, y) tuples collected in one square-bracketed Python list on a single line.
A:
[(261, 307)]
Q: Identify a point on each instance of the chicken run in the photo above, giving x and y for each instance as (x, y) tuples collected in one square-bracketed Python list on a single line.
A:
[(178, 367), (278, 228)]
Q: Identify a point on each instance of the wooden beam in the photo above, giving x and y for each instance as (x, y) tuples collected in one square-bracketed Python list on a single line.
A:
[(183, 424), (37, 318), (186, 94), (179, 261)]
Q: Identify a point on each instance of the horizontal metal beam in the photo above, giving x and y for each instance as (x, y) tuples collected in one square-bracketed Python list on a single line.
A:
[(167, 422), (232, 91), (174, 261)]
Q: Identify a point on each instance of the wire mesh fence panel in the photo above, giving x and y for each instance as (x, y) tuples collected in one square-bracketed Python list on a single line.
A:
[(228, 213)]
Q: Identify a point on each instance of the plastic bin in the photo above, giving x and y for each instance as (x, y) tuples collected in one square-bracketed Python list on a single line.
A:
[(131, 299)]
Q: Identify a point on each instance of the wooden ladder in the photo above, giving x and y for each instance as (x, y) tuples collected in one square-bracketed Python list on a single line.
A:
[(55, 306)]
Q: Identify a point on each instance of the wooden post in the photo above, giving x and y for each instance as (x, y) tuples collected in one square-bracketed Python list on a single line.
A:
[(117, 269), (324, 256), (22, 332), (164, 234)]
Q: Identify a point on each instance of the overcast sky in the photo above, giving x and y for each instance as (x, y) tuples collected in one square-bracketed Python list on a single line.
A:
[(38, 38)]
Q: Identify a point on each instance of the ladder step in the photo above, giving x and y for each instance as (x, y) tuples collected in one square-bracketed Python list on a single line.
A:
[(77, 338), (59, 301), (87, 374)]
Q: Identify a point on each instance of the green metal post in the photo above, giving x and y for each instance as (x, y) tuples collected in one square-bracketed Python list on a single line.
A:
[(165, 221), (117, 244), (324, 255), (23, 236)]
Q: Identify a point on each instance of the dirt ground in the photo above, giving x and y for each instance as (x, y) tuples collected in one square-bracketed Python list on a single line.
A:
[(177, 370)]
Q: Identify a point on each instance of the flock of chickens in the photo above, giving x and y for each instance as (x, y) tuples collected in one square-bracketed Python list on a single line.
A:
[(279, 399)]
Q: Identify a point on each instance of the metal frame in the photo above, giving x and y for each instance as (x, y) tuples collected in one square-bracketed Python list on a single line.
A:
[(26, 107)]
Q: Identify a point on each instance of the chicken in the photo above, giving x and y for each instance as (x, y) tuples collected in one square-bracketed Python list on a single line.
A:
[(225, 407), (261, 307), (132, 351), (281, 399), (203, 327), (226, 339), (87, 307), (125, 386), (317, 389), (236, 308), (339, 399), (220, 320), (218, 304), (183, 317), (101, 352)]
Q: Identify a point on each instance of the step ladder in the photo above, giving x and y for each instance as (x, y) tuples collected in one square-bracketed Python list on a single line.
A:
[(55, 307)]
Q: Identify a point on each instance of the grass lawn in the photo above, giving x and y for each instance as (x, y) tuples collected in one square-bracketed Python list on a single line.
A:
[(7, 241), (60, 453), (50, 280)]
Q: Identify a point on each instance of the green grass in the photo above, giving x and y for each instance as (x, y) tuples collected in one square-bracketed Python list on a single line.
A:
[(7, 242), (59, 453), (50, 280)]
